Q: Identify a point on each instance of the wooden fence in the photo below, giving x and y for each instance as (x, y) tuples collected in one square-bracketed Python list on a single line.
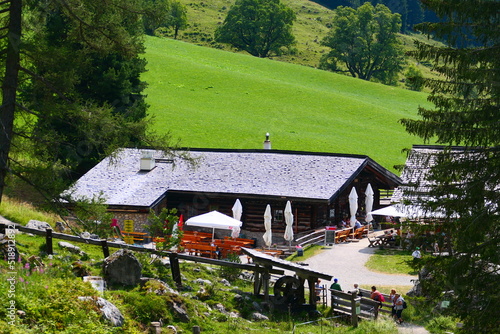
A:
[(174, 257), (357, 306)]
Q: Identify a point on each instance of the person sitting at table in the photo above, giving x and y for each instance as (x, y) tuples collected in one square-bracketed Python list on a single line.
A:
[(357, 225)]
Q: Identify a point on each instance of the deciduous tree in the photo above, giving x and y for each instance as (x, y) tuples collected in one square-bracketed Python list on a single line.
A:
[(260, 27), (464, 183), (364, 43)]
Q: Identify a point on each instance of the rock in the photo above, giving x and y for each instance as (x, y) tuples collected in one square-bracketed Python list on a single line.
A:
[(202, 281), (72, 248), (122, 267), (39, 225), (160, 287), (219, 307), (180, 312), (256, 306), (256, 316), (109, 311), (225, 282), (60, 227)]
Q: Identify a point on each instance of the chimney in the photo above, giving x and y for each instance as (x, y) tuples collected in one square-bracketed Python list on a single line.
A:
[(147, 161), (267, 142)]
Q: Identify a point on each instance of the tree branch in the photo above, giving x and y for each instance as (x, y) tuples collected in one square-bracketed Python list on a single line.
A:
[(45, 82)]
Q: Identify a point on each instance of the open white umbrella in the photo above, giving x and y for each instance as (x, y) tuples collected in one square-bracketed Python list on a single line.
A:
[(237, 211), (268, 236), (353, 205), (213, 220), (391, 211), (289, 222), (369, 203)]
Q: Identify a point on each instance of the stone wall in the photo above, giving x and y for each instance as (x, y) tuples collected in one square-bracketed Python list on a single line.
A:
[(140, 220)]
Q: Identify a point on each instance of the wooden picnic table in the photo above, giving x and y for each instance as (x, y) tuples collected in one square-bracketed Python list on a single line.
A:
[(381, 240)]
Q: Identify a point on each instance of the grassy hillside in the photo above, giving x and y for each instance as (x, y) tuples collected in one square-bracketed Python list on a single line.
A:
[(309, 28), (217, 99)]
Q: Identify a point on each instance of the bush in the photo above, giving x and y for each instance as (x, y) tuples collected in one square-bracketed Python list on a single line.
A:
[(441, 324)]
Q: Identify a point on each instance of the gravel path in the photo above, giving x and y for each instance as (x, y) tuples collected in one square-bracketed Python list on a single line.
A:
[(347, 263)]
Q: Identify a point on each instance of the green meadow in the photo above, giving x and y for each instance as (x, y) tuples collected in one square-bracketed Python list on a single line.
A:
[(212, 98)]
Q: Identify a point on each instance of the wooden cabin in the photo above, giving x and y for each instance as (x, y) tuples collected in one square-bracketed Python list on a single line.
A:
[(135, 181)]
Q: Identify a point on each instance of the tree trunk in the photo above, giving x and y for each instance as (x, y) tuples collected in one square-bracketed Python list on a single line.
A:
[(9, 88)]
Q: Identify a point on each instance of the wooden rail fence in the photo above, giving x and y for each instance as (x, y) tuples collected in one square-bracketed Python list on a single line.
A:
[(105, 245)]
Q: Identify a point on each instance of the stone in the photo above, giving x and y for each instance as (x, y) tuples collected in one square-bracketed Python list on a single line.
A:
[(39, 225), (109, 311), (160, 287), (202, 281), (219, 307), (180, 312), (72, 248), (256, 316), (122, 267), (225, 282)]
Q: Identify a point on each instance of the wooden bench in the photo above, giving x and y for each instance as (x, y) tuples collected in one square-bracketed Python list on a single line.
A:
[(243, 241), (138, 236), (358, 233), (201, 249), (341, 236)]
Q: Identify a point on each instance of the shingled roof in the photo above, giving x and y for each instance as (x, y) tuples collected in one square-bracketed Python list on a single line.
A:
[(306, 175)]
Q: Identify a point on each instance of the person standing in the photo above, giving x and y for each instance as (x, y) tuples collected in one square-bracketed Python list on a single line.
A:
[(416, 255), (335, 286), (392, 297), (399, 307)]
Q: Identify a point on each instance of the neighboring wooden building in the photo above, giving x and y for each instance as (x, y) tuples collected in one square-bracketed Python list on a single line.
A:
[(317, 184)]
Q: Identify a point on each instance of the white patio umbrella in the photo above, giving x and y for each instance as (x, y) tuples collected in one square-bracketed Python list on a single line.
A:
[(369, 203), (268, 236), (289, 223), (213, 220), (237, 211), (391, 211), (353, 205)]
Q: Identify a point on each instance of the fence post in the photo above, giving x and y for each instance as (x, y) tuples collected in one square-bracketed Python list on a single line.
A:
[(176, 271), (105, 248), (48, 241), (355, 308)]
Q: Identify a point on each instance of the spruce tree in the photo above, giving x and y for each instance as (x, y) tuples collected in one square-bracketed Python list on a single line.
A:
[(464, 183)]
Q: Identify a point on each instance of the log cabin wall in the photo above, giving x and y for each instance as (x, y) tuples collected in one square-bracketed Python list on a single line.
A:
[(307, 215)]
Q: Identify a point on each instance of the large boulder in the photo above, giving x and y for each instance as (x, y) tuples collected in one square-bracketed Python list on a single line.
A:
[(122, 267), (39, 225)]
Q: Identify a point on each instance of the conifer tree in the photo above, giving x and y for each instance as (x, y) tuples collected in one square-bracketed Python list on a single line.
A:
[(464, 183)]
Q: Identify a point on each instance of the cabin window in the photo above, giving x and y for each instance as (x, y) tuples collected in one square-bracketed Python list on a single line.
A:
[(278, 216)]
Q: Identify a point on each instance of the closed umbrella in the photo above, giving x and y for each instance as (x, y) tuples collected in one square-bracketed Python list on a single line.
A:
[(237, 211), (268, 236), (369, 203), (289, 222), (353, 205)]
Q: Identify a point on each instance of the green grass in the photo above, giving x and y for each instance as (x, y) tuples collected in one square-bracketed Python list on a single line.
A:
[(217, 99), (22, 212), (391, 262)]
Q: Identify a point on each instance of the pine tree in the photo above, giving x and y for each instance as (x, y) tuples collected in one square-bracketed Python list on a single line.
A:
[(464, 183)]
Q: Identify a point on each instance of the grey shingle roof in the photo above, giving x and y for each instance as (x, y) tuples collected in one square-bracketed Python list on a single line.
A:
[(272, 173)]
